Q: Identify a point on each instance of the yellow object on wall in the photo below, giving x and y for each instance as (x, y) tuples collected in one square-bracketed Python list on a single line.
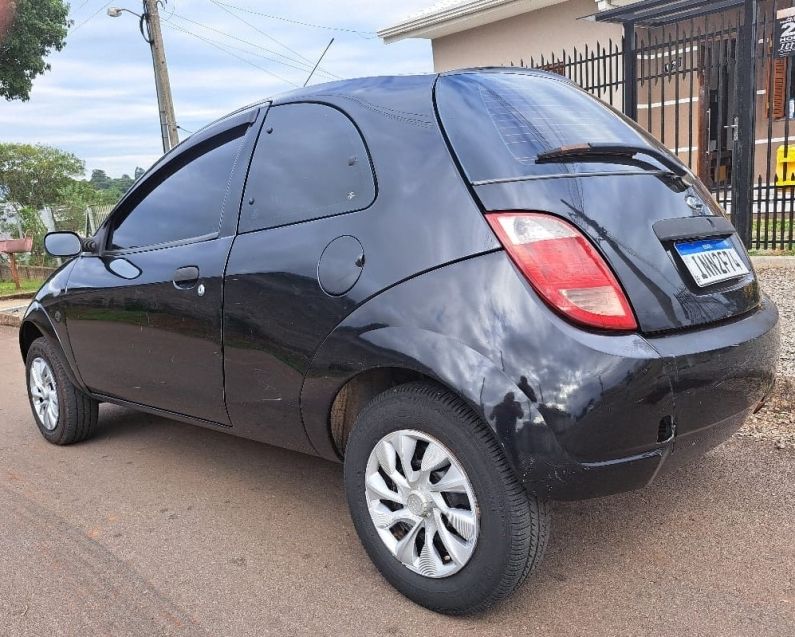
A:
[(785, 165)]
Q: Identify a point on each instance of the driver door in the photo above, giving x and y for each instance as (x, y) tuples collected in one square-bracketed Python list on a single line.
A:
[(144, 314)]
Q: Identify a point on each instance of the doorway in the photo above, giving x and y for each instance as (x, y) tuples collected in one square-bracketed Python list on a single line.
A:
[(718, 112)]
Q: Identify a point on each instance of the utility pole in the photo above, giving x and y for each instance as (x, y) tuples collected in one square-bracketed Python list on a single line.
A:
[(168, 122), (149, 25)]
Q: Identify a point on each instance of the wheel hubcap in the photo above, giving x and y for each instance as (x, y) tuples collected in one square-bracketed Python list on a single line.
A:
[(421, 503), (418, 504), (44, 393)]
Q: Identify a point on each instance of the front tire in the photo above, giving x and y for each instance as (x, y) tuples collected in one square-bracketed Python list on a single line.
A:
[(435, 503), (63, 413)]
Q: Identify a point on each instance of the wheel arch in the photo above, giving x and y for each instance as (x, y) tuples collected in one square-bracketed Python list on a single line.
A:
[(359, 390), (29, 331), (333, 395), (37, 324)]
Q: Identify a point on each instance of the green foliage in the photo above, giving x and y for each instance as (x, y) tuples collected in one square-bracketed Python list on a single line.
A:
[(36, 28), (38, 177), (33, 176), (117, 187), (28, 285)]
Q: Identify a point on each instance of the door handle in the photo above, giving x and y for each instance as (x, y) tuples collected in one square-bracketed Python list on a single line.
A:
[(185, 278)]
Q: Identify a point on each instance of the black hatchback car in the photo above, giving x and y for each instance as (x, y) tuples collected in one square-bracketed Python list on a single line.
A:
[(481, 290)]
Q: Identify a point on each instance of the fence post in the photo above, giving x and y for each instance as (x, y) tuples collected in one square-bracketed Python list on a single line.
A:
[(744, 146), (630, 72), (12, 258)]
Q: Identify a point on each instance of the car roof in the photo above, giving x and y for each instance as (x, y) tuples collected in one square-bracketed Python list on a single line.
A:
[(378, 88), (398, 95)]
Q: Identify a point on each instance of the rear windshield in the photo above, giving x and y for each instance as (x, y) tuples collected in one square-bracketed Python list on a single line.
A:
[(498, 123)]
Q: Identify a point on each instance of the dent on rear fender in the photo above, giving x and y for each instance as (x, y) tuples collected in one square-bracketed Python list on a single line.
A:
[(508, 407)]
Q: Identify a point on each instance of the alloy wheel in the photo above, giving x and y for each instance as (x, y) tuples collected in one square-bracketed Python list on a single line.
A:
[(44, 393)]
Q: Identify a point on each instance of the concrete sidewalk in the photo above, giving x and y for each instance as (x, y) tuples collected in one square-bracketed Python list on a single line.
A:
[(11, 310)]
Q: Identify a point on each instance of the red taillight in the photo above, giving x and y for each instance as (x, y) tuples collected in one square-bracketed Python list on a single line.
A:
[(564, 268)]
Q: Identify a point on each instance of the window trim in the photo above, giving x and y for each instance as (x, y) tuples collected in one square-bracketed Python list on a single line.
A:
[(161, 246), (356, 126), (166, 168)]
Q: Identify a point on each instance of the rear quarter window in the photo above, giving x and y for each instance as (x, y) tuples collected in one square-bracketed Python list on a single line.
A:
[(498, 123), (310, 162)]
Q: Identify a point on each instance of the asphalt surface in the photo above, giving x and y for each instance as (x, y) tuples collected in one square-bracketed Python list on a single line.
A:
[(154, 527)]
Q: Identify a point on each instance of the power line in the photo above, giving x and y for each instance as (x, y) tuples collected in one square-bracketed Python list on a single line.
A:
[(229, 47), (302, 67), (91, 17), (224, 48), (82, 4), (367, 34), (258, 30)]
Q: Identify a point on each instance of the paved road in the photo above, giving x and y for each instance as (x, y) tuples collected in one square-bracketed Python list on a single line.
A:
[(155, 527)]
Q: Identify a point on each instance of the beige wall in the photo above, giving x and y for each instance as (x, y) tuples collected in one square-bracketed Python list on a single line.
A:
[(541, 32), (558, 28)]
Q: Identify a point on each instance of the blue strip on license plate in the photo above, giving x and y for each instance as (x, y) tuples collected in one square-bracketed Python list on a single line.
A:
[(703, 246)]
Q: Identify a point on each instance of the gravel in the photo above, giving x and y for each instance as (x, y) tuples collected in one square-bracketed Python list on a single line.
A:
[(776, 421), (779, 283)]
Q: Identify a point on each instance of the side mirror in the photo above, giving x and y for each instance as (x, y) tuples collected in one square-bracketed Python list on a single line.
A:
[(63, 244)]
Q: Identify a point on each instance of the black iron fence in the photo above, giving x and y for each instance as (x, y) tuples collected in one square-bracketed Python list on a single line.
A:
[(694, 83)]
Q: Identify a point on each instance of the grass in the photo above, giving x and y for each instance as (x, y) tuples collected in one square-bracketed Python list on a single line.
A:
[(772, 253), (28, 285), (777, 232)]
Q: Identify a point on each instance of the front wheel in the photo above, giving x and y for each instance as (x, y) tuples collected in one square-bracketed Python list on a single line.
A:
[(63, 413), (436, 505)]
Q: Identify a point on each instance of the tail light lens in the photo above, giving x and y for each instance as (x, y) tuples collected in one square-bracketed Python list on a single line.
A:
[(564, 268)]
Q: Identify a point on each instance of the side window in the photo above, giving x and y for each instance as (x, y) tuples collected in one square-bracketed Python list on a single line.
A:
[(310, 162), (185, 204)]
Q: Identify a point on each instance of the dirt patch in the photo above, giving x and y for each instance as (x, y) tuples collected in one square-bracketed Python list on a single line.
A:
[(775, 422)]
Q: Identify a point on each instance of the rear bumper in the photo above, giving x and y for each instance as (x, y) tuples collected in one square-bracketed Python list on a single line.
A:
[(718, 376)]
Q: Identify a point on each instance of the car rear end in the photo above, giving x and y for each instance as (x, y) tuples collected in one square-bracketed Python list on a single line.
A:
[(614, 243)]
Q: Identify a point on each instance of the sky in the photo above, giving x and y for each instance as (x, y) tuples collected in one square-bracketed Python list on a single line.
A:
[(98, 100)]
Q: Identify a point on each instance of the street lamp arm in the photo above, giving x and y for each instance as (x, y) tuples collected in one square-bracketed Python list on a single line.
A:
[(115, 12)]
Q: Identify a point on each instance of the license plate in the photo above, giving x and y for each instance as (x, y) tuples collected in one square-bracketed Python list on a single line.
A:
[(711, 260)]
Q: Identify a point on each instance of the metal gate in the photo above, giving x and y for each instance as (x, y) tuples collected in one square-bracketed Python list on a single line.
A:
[(705, 80)]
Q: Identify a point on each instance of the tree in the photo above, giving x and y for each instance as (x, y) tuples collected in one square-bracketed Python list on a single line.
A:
[(123, 183), (115, 188), (32, 29), (99, 179), (33, 176)]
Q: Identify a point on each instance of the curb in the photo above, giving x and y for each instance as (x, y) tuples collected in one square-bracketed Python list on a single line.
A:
[(785, 263), (17, 295), (9, 320)]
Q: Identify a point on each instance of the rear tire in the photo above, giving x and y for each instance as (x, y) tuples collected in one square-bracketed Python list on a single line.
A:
[(400, 427), (63, 413)]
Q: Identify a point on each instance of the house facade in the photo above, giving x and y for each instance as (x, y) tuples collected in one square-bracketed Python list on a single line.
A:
[(499, 32), (680, 63)]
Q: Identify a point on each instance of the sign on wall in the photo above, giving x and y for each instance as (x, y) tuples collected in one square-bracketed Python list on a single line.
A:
[(785, 32)]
